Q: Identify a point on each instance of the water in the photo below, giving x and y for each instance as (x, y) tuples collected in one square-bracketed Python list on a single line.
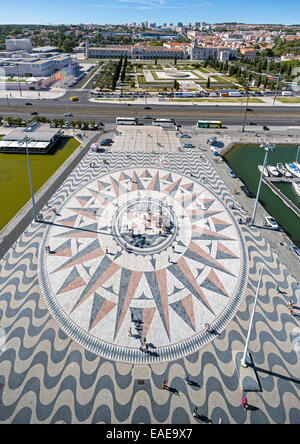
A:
[(14, 181), (244, 159)]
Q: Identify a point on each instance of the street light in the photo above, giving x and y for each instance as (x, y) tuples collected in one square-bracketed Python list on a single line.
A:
[(244, 362), (26, 140), (275, 95), (245, 115), (267, 146)]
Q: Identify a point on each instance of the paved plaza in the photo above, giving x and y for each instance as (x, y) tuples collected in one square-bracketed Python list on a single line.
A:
[(144, 245), (147, 138)]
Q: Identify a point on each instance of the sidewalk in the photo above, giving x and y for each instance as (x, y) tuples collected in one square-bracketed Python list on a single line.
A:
[(11, 94)]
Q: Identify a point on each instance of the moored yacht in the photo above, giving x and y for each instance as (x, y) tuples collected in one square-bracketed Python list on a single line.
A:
[(291, 167), (282, 170), (296, 187), (260, 167), (272, 170)]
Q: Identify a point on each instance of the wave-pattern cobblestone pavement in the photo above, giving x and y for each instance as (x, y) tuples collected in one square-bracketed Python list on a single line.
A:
[(45, 377)]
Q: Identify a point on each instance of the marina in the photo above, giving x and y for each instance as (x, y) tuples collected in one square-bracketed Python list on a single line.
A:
[(277, 194)]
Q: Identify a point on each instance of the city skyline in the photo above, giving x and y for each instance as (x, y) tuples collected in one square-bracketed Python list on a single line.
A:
[(159, 11)]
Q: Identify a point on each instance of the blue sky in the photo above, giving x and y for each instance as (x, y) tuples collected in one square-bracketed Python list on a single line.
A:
[(159, 11)]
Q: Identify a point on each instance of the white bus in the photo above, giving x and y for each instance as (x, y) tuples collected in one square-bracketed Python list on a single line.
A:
[(164, 122), (127, 121)]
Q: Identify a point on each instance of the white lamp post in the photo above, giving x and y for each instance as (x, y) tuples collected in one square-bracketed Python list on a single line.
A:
[(267, 147), (244, 358), (245, 115), (26, 140)]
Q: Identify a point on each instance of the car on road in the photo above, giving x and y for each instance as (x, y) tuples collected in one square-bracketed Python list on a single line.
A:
[(186, 136), (252, 123), (148, 117), (147, 107), (74, 99), (231, 173), (68, 114), (271, 222), (296, 250), (266, 128), (100, 124), (28, 103), (188, 145), (247, 191), (34, 113)]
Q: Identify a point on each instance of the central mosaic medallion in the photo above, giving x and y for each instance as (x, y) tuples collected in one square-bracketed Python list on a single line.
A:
[(145, 224), (143, 253)]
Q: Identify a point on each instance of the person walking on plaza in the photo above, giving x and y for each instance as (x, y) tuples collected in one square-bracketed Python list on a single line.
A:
[(291, 304), (129, 332), (245, 403), (164, 384), (277, 289), (195, 412)]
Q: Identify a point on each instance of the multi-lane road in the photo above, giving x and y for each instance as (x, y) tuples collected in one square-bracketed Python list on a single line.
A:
[(184, 114)]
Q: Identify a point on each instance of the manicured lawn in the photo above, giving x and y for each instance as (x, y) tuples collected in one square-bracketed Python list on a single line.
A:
[(216, 99), (14, 183), (288, 99), (221, 80)]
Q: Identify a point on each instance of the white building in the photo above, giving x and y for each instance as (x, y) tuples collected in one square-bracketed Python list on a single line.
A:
[(35, 66), (18, 44), (197, 52)]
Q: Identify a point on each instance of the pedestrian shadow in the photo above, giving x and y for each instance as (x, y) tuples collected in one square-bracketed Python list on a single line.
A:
[(204, 419), (192, 383), (172, 390)]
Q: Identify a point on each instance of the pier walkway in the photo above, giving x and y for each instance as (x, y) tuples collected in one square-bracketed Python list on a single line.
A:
[(288, 202)]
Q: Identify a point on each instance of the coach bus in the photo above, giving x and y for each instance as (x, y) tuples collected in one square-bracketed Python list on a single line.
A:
[(164, 122), (209, 124), (127, 121)]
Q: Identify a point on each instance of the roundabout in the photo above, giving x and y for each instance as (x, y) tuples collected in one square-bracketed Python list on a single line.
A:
[(146, 250)]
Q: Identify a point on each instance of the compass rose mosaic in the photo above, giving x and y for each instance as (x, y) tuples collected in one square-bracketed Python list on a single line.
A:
[(148, 250)]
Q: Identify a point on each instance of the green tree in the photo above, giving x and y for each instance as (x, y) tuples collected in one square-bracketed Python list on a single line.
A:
[(208, 82)]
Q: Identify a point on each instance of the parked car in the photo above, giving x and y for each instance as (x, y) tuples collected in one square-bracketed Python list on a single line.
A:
[(247, 191), (294, 249), (231, 173), (271, 222), (188, 145), (186, 136), (100, 124), (105, 142), (212, 140)]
